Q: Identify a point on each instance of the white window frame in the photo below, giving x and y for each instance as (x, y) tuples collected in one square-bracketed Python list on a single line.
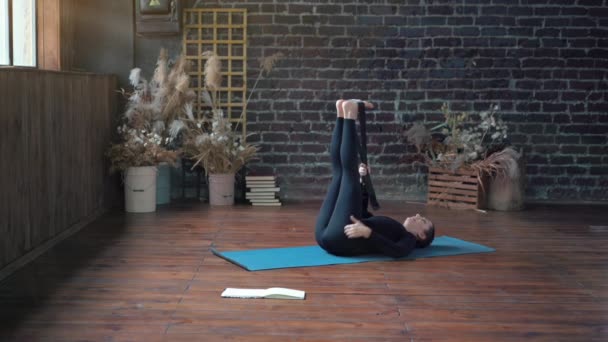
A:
[(7, 31)]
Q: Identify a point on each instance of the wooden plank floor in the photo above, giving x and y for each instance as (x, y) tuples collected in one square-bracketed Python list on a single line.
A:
[(152, 277)]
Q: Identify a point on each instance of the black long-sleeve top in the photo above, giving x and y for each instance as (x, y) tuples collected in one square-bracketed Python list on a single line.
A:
[(389, 237)]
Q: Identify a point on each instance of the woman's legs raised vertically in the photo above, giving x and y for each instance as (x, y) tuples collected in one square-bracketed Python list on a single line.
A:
[(348, 201), (327, 208)]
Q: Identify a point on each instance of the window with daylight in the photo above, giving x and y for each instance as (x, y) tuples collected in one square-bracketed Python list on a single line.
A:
[(18, 32)]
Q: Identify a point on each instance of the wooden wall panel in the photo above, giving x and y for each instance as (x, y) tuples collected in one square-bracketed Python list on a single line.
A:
[(67, 17), (54, 130), (49, 24), (56, 34)]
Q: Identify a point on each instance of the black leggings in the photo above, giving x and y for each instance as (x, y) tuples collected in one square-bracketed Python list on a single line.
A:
[(343, 196)]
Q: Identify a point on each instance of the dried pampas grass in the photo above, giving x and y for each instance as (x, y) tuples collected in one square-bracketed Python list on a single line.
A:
[(212, 142), (418, 135), (158, 127), (268, 63), (177, 97), (176, 90), (188, 110), (214, 145), (134, 77), (213, 74), (152, 107), (162, 68), (207, 99), (503, 164), (178, 71), (176, 127), (215, 161), (183, 81)]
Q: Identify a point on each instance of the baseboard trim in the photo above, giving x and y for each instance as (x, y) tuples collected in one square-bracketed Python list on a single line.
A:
[(44, 247)]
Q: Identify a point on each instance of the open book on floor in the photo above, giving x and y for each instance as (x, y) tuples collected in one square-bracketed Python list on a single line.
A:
[(270, 293)]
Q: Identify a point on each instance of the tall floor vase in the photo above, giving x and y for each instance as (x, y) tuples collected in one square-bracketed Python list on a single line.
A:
[(221, 189), (507, 193), (140, 189), (163, 184)]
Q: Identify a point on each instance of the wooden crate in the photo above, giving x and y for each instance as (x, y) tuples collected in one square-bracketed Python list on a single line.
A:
[(456, 190)]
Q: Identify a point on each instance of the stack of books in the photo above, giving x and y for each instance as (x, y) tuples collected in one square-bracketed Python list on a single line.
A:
[(262, 190)]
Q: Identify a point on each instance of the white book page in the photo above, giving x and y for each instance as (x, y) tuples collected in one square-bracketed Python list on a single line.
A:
[(281, 292), (273, 293), (244, 293)]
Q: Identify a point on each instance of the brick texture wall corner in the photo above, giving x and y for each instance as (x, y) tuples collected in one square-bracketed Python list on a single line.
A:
[(545, 62)]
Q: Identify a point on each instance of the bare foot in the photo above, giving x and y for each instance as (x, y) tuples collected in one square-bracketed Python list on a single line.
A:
[(339, 108), (368, 105), (350, 108)]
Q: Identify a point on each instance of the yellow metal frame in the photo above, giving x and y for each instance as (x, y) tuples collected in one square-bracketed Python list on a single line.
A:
[(216, 29)]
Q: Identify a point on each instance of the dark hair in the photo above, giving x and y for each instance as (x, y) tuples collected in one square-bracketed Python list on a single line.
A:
[(429, 236)]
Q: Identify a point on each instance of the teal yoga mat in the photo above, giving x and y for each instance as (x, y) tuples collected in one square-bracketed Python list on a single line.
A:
[(273, 258)]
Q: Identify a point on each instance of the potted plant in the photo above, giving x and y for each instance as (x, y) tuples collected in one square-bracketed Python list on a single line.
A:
[(211, 141), (220, 151), (157, 106), (148, 130), (136, 155), (469, 149)]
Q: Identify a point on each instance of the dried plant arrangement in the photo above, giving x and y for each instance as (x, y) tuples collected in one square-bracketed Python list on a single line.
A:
[(218, 150), (210, 138), (478, 142), (138, 148), (463, 148), (266, 65), (502, 164), (461, 139), (157, 105), (151, 121)]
